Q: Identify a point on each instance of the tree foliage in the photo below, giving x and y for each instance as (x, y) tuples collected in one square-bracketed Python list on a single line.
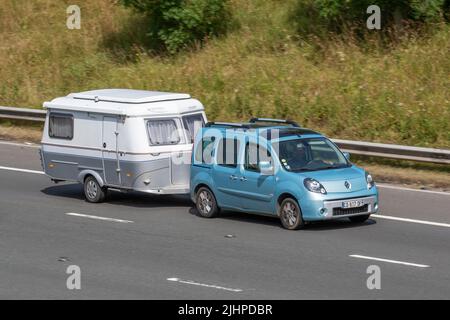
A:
[(337, 14), (175, 24)]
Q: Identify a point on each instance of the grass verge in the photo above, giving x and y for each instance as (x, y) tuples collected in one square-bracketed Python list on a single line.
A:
[(345, 89)]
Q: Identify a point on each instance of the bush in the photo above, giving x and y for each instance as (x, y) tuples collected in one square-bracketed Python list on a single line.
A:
[(315, 16), (175, 24)]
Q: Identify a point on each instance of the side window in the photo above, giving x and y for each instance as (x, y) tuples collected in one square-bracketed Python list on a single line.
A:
[(227, 152), (191, 124), (163, 132), (60, 126), (254, 154), (204, 150)]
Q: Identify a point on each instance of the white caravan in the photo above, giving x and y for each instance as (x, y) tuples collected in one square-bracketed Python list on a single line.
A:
[(121, 139)]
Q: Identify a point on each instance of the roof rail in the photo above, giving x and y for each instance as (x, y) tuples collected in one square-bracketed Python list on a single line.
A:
[(227, 124), (291, 122)]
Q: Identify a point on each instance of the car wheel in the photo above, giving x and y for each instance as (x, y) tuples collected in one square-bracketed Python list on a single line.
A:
[(359, 219), (93, 191), (206, 203), (290, 214)]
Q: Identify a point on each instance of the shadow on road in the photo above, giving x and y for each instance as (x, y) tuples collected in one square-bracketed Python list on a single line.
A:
[(343, 223), (131, 199), (143, 200)]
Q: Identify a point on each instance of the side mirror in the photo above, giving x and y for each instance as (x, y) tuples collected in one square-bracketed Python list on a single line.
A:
[(266, 168), (347, 155)]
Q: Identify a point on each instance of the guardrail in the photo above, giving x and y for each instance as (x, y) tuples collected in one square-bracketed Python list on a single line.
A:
[(393, 151), (22, 114)]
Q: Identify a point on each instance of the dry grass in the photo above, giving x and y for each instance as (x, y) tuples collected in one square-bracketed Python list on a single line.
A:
[(20, 133), (408, 176), (341, 88)]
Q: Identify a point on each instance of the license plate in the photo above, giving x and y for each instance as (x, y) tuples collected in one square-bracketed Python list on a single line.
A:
[(352, 204)]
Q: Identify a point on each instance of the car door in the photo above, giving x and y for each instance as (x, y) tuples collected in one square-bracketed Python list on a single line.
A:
[(256, 189), (226, 172)]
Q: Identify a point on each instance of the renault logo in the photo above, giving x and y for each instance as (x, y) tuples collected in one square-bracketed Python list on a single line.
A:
[(347, 184)]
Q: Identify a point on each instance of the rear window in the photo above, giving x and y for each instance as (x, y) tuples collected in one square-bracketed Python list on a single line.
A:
[(60, 126), (163, 132), (204, 151), (191, 124)]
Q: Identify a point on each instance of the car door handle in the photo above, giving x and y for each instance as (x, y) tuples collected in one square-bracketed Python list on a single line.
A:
[(243, 179), (233, 177)]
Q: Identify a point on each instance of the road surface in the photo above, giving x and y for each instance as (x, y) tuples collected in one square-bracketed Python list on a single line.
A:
[(137, 246)]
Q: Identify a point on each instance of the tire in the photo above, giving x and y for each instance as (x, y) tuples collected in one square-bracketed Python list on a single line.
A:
[(290, 214), (206, 203), (93, 191), (359, 219)]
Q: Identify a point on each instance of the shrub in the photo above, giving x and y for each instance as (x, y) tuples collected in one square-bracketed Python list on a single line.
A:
[(175, 24), (316, 16)]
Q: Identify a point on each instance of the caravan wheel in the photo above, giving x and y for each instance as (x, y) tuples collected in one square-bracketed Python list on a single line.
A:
[(93, 191)]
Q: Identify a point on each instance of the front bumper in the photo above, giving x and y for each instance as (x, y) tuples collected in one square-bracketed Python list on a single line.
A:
[(334, 209), (327, 208)]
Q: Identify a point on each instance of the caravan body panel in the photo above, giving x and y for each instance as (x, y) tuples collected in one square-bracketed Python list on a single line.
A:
[(123, 144)]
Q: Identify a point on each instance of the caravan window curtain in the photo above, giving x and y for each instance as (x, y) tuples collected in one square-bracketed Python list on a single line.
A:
[(60, 126), (163, 132)]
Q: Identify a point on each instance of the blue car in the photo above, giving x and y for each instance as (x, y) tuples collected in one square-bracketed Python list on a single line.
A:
[(277, 168)]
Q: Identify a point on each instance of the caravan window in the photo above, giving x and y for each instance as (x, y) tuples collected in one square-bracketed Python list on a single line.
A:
[(60, 126), (191, 124), (163, 132)]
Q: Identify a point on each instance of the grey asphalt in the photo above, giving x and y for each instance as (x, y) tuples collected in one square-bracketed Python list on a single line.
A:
[(38, 241)]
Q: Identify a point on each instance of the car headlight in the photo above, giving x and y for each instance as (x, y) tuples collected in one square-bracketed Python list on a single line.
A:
[(369, 180), (314, 186)]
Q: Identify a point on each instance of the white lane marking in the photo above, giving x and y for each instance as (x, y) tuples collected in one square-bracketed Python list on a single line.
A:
[(18, 144), (97, 217), (388, 186), (21, 170), (431, 223), (203, 284), (390, 261)]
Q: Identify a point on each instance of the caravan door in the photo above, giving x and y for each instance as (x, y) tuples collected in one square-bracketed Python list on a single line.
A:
[(180, 167), (111, 164)]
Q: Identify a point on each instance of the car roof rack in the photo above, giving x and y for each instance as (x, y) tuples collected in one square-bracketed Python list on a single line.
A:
[(269, 120), (227, 124)]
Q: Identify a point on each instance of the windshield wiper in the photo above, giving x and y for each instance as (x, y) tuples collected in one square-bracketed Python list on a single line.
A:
[(321, 168), (335, 167)]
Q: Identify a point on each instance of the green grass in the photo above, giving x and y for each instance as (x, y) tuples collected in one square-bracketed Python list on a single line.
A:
[(399, 94)]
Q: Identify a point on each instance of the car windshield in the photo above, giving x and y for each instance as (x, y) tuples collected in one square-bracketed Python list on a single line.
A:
[(309, 155)]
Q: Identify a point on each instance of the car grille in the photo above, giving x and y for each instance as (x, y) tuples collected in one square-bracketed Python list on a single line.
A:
[(342, 211)]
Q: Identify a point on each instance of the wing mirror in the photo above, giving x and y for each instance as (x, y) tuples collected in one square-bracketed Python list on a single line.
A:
[(347, 155), (266, 168)]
